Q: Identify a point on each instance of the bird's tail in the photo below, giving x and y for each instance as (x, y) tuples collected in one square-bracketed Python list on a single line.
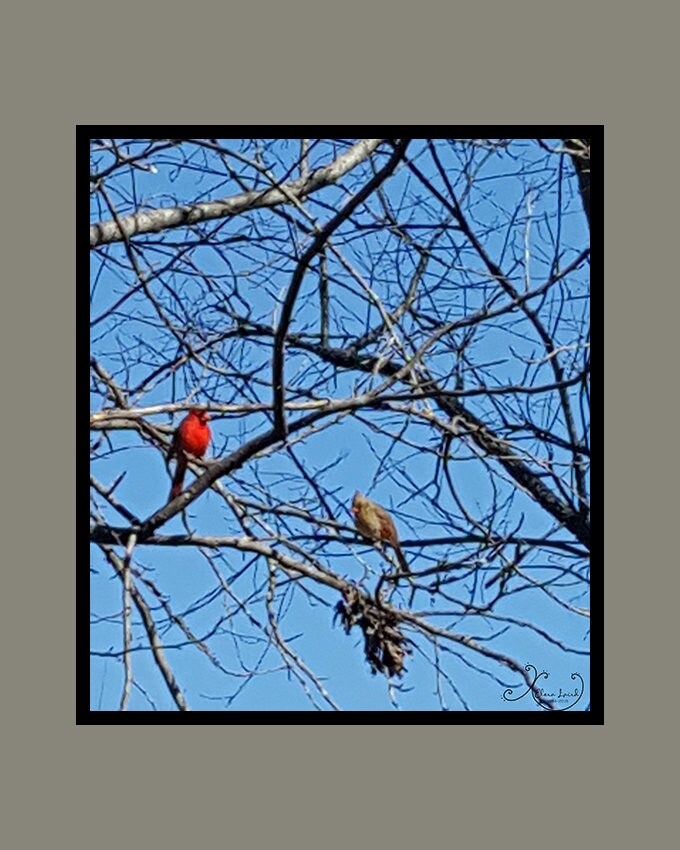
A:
[(178, 480), (403, 563)]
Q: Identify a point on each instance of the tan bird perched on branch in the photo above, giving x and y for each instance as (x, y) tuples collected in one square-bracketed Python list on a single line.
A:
[(374, 522)]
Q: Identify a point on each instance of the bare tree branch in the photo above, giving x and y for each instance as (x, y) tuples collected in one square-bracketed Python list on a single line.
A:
[(420, 333), (156, 221)]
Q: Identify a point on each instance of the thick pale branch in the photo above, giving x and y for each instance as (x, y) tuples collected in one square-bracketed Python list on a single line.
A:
[(154, 221)]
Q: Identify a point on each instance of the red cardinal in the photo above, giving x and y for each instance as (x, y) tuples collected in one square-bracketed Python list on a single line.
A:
[(374, 522), (192, 436)]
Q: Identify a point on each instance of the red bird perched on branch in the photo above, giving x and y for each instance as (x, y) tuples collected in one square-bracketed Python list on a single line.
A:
[(191, 437), (374, 522)]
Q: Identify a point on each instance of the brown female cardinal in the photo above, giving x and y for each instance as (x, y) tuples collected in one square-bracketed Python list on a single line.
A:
[(373, 521), (192, 436)]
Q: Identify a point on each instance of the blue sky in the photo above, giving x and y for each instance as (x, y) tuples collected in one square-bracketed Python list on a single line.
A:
[(513, 203)]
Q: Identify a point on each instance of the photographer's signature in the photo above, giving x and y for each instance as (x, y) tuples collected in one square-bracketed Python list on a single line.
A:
[(546, 699)]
